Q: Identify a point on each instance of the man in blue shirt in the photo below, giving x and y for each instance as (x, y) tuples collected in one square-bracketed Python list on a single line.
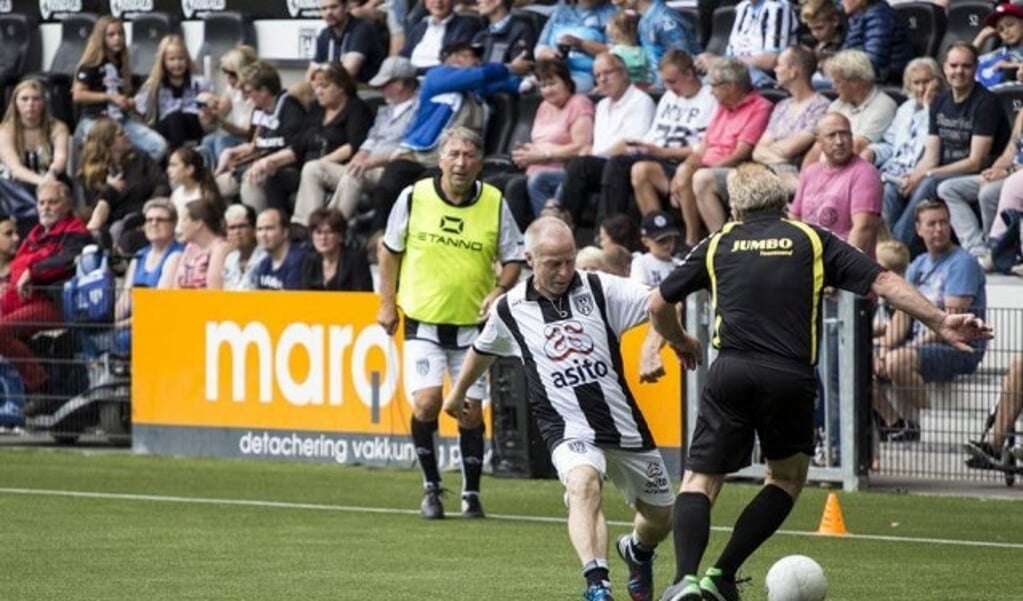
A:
[(910, 354), (661, 28), (281, 269)]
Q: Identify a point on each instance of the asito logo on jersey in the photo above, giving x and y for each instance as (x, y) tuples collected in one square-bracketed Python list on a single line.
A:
[(565, 339)]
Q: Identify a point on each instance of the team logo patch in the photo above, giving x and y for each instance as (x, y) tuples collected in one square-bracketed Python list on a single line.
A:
[(423, 367), (451, 225), (577, 446), (565, 338), (583, 303), (653, 470)]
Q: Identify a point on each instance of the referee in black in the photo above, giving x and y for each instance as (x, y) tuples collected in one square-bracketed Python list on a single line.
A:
[(766, 275)]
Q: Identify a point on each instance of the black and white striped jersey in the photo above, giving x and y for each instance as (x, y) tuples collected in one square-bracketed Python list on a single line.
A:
[(572, 356)]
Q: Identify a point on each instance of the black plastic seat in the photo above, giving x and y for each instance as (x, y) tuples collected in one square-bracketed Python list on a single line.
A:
[(705, 10), (1011, 98), (74, 33), (501, 110), (965, 20), (720, 30), (925, 25), (223, 31), (147, 29), (21, 47)]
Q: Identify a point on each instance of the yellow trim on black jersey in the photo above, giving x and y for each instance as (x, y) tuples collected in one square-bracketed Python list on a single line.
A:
[(712, 248), (818, 279)]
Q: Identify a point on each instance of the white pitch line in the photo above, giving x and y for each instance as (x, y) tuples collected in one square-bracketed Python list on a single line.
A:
[(497, 516)]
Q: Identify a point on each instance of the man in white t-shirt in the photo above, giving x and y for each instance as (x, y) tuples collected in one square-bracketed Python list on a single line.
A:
[(624, 114), (645, 170)]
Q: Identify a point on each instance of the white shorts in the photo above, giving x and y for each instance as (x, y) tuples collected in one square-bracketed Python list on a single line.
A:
[(639, 475), (426, 363)]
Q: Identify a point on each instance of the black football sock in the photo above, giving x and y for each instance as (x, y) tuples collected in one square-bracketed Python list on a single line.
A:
[(422, 438), (761, 518), (690, 527), (470, 443)]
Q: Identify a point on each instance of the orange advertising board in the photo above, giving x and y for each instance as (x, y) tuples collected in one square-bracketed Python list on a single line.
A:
[(299, 362)]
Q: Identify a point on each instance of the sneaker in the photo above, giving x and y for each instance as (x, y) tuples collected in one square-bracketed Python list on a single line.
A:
[(598, 592), (982, 455), (471, 507), (431, 508), (716, 588), (641, 573), (687, 589), (909, 433)]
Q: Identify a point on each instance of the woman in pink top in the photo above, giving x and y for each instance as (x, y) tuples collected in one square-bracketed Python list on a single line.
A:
[(562, 128), (202, 263)]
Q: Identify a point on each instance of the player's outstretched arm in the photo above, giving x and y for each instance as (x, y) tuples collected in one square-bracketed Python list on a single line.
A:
[(665, 319), (959, 329)]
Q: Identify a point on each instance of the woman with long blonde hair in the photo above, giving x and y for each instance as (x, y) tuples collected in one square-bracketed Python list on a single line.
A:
[(33, 147), (227, 117), (169, 99), (102, 87)]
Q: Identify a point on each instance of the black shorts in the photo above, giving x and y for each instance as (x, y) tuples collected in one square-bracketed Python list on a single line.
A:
[(750, 394)]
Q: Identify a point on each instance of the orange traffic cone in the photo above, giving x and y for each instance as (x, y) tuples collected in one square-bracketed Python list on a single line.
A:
[(832, 522)]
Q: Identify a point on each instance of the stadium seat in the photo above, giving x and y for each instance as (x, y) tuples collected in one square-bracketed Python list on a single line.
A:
[(522, 129), (21, 48), (501, 110), (74, 33), (705, 10), (775, 95), (965, 20), (147, 29), (1011, 98), (720, 29), (223, 31), (925, 24), (896, 93)]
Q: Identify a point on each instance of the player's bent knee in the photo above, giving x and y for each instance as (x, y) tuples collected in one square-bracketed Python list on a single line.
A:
[(426, 404), (583, 482), (788, 474)]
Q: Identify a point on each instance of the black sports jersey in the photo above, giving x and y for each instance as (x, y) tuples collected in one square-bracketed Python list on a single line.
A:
[(766, 276)]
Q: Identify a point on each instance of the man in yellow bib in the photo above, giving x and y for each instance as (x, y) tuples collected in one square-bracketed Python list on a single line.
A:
[(437, 257)]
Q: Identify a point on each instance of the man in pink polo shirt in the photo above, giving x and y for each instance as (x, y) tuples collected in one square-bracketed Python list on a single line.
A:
[(843, 192), (733, 132)]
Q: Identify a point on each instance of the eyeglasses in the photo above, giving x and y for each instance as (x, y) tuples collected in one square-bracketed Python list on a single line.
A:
[(715, 84), (158, 220), (238, 226)]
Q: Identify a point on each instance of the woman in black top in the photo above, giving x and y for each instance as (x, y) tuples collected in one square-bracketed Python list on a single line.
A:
[(334, 265), (334, 129), (118, 179)]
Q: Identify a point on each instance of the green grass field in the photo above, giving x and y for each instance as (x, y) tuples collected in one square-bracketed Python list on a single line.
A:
[(103, 526)]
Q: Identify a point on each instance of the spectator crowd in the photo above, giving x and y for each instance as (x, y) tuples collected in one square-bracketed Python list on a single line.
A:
[(634, 129)]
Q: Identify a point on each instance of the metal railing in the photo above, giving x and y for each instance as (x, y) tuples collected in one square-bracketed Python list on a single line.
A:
[(85, 388)]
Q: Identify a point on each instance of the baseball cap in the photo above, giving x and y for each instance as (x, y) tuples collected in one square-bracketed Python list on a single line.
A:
[(658, 225), (393, 67), (1002, 10)]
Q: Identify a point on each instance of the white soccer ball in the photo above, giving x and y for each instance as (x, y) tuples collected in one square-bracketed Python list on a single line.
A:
[(796, 578)]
